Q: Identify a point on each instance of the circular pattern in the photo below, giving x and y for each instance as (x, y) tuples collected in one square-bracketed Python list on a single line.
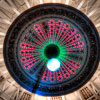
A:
[(35, 47), (53, 64), (51, 34)]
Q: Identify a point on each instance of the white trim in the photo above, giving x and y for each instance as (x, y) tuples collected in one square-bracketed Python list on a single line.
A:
[(7, 21), (16, 11), (3, 34), (97, 25), (80, 5), (92, 12), (1, 59), (27, 3), (54, 1), (67, 2), (41, 1), (1, 46)]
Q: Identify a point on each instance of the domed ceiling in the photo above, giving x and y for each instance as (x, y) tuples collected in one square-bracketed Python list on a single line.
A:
[(51, 49)]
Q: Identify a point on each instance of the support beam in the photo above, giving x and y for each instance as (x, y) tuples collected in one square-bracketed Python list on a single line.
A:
[(1, 59), (80, 5), (32, 2), (97, 25), (16, 11), (67, 2), (13, 82), (2, 34), (41, 1), (27, 3), (12, 7), (54, 1), (8, 96), (93, 11), (77, 94), (4, 72), (1, 46), (7, 21)]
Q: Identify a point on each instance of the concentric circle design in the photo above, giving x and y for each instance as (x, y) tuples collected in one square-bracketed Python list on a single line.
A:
[(60, 42), (51, 35)]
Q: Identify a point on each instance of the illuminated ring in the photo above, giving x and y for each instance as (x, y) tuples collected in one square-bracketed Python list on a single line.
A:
[(71, 35)]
